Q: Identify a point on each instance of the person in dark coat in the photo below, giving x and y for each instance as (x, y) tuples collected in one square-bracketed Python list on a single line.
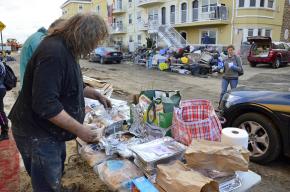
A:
[(50, 109)]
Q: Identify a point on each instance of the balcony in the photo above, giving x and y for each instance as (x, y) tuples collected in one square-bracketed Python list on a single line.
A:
[(206, 15), (118, 28), (119, 9), (148, 3)]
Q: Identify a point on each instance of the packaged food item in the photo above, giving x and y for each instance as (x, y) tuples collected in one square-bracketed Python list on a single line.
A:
[(92, 155), (117, 173)]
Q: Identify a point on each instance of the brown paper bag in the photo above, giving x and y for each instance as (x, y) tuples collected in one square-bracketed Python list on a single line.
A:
[(177, 177), (216, 156)]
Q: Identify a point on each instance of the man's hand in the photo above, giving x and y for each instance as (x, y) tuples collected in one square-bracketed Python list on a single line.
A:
[(93, 94), (90, 134), (104, 101)]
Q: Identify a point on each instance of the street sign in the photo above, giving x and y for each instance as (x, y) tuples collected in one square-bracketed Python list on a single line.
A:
[(2, 26)]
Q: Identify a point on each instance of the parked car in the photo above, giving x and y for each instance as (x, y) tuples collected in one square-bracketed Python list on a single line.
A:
[(265, 115), (105, 54), (263, 50)]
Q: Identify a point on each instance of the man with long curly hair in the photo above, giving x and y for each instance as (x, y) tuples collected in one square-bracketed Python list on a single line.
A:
[(50, 108)]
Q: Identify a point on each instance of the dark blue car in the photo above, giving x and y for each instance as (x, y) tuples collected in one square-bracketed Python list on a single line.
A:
[(265, 115), (106, 54)]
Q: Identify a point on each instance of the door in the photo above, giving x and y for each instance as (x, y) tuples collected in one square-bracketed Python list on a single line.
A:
[(119, 5), (184, 35), (195, 10), (163, 15)]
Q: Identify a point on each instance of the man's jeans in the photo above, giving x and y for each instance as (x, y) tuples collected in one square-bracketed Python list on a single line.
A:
[(225, 83), (43, 160)]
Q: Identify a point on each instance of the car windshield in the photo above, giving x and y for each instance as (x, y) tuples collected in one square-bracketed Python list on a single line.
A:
[(278, 46), (110, 49)]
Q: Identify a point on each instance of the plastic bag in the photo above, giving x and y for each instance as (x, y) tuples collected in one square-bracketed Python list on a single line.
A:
[(117, 173), (92, 155)]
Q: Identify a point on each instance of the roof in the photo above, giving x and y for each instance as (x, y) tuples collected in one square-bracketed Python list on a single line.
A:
[(75, 1)]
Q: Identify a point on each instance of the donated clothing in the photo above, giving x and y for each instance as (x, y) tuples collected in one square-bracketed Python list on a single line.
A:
[(52, 83), (28, 49), (232, 67)]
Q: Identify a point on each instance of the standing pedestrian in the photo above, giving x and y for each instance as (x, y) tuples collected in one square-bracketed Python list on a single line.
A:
[(3, 118), (50, 108), (233, 68), (31, 44)]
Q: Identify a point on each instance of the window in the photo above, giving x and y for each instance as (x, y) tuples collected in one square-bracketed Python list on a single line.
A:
[(250, 32), (183, 12), (80, 8), (268, 32), (153, 14), (130, 19), (278, 46), (260, 32), (172, 14), (98, 9), (262, 3), (241, 3), (213, 4), (208, 5), (252, 3), (130, 38), (270, 3), (138, 18), (118, 5), (139, 38), (208, 37)]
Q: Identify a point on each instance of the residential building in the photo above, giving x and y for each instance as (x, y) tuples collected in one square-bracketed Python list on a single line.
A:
[(180, 22), (285, 32), (259, 17), (71, 7)]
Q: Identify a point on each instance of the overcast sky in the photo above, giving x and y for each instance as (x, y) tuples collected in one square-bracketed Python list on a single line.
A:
[(24, 17)]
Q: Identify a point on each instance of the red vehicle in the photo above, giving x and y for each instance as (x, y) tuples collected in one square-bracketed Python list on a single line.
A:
[(263, 50)]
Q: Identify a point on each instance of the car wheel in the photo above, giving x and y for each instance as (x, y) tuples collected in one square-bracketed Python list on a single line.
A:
[(118, 62), (252, 64), (264, 140), (277, 63), (102, 61)]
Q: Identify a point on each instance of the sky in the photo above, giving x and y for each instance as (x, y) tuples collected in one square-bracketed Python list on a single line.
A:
[(24, 17)]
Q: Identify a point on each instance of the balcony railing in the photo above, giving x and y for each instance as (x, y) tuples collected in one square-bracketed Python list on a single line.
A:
[(148, 2), (205, 13), (118, 28)]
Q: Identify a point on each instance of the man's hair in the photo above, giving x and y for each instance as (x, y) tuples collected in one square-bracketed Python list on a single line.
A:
[(82, 33), (230, 46), (55, 23)]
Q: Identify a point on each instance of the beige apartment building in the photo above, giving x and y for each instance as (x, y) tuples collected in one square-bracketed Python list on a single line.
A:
[(180, 22)]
